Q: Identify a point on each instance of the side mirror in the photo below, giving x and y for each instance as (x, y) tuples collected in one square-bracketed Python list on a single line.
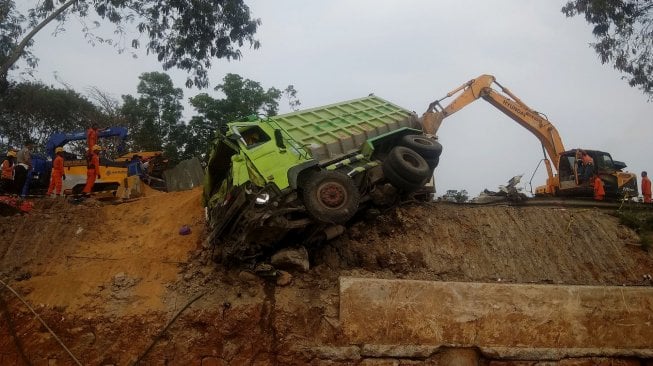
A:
[(278, 138)]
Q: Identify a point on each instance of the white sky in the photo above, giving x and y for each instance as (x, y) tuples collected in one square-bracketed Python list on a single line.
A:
[(412, 52)]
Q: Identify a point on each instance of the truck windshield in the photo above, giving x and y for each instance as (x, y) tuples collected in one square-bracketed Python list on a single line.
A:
[(253, 135)]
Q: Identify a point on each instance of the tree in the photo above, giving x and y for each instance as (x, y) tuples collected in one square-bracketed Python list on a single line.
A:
[(624, 30), (184, 34), (453, 195), (10, 31), (242, 97), (154, 118), (35, 111)]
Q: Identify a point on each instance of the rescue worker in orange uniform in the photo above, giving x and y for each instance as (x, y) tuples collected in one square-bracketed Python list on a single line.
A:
[(7, 177), (646, 187), (92, 136), (58, 175), (92, 169), (599, 191)]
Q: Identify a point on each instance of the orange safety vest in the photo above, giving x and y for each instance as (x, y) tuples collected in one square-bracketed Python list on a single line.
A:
[(7, 170), (57, 164), (646, 186), (646, 189), (599, 192)]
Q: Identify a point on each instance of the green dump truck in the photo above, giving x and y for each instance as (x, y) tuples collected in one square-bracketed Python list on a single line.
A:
[(296, 178)]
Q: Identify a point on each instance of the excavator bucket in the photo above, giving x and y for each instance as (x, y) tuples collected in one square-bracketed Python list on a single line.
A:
[(431, 122)]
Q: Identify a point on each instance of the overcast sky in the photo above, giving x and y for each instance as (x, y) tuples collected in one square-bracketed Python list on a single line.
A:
[(411, 52)]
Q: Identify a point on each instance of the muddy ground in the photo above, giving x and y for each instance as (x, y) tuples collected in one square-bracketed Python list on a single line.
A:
[(107, 279)]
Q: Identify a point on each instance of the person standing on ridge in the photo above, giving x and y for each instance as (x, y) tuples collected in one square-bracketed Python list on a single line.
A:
[(57, 176), (92, 169), (646, 187)]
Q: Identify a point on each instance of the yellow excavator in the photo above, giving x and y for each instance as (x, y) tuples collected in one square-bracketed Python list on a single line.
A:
[(566, 179)]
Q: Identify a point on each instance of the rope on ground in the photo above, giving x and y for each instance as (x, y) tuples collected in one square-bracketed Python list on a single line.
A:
[(174, 318), (42, 322)]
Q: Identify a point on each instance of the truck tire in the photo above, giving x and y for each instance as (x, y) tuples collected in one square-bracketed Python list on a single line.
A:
[(397, 180), (433, 162), (427, 148), (408, 164), (330, 196)]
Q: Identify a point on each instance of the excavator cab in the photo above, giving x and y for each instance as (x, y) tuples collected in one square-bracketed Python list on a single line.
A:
[(616, 182)]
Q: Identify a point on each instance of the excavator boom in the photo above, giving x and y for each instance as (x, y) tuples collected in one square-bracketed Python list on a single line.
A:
[(509, 104), (566, 179)]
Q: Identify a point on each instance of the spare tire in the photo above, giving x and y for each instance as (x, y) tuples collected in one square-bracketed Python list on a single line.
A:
[(408, 164), (330, 196), (428, 148)]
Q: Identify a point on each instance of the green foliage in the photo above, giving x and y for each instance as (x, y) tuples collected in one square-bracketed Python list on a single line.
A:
[(35, 111), (11, 29), (453, 195), (184, 34), (154, 118), (629, 219), (641, 222), (624, 33), (242, 97)]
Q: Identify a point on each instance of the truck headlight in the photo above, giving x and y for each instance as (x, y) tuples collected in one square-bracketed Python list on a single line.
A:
[(262, 198)]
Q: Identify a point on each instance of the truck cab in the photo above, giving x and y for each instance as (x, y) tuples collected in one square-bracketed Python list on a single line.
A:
[(298, 177)]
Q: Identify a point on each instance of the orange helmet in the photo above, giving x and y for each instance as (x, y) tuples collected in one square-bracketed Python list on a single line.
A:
[(11, 154), (58, 150), (97, 148)]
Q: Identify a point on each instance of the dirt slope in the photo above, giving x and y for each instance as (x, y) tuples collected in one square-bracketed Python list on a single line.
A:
[(468, 243), (108, 278)]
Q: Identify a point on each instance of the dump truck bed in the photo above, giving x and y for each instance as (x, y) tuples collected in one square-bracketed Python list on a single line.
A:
[(335, 130)]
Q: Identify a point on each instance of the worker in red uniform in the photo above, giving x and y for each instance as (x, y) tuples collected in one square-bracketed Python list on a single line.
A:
[(92, 168), (57, 176), (91, 137), (599, 191), (7, 177), (646, 187)]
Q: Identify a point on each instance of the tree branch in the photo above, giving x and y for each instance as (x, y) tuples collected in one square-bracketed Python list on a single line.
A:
[(18, 51)]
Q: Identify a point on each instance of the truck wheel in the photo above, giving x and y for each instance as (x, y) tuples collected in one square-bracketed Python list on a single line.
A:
[(331, 196), (397, 180), (427, 148), (408, 164)]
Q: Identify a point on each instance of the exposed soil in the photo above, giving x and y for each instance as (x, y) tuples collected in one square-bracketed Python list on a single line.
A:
[(108, 278)]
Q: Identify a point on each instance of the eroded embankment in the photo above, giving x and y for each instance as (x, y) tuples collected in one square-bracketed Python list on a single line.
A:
[(107, 279)]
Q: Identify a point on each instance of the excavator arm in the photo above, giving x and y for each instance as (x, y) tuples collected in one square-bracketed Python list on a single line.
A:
[(509, 104)]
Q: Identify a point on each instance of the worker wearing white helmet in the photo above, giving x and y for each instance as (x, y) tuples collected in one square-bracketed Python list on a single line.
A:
[(58, 175), (92, 168)]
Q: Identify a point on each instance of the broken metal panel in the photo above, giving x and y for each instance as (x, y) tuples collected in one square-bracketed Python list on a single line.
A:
[(188, 174), (377, 311)]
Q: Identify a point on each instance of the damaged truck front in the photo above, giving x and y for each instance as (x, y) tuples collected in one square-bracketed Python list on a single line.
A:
[(295, 179)]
